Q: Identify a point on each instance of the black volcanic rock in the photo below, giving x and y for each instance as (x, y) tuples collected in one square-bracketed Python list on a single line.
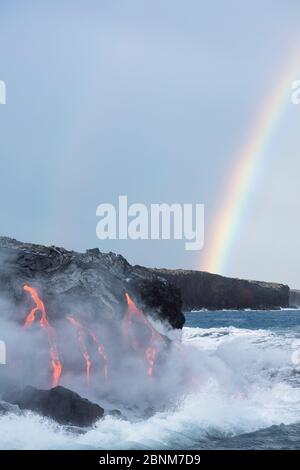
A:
[(94, 281), (162, 298), (97, 282), (204, 290), (59, 404)]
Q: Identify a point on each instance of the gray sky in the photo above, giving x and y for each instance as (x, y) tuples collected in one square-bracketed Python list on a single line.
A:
[(151, 99)]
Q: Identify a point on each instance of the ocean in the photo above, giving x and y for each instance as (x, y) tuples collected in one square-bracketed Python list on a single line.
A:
[(246, 395)]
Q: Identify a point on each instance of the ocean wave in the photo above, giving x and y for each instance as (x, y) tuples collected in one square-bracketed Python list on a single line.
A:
[(243, 384), (209, 414)]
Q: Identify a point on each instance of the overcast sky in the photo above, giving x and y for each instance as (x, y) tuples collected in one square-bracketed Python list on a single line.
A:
[(152, 99)]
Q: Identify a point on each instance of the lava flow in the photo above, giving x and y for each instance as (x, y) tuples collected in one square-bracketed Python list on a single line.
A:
[(151, 351), (100, 348), (101, 351), (83, 348), (40, 307)]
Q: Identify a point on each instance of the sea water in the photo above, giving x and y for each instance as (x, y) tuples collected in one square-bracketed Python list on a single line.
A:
[(248, 396)]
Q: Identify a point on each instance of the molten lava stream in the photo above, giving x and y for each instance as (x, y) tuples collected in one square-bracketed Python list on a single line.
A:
[(101, 352), (54, 356), (151, 350), (83, 348), (100, 348)]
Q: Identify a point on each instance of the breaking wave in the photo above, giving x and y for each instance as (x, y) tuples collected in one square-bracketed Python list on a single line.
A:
[(246, 395)]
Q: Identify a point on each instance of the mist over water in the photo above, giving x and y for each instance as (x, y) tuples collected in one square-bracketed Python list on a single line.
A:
[(232, 376)]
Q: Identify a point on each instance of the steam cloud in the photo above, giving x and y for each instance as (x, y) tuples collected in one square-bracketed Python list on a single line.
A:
[(127, 362)]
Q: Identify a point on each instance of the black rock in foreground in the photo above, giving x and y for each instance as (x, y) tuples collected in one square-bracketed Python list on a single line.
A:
[(59, 404)]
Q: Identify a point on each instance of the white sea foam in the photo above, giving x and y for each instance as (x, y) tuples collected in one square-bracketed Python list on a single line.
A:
[(243, 382)]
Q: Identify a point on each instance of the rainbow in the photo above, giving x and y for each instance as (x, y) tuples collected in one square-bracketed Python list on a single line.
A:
[(227, 221)]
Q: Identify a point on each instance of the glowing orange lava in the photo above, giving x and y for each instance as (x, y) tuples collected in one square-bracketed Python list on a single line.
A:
[(54, 356), (83, 348), (101, 351), (151, 350), (100, 348)]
